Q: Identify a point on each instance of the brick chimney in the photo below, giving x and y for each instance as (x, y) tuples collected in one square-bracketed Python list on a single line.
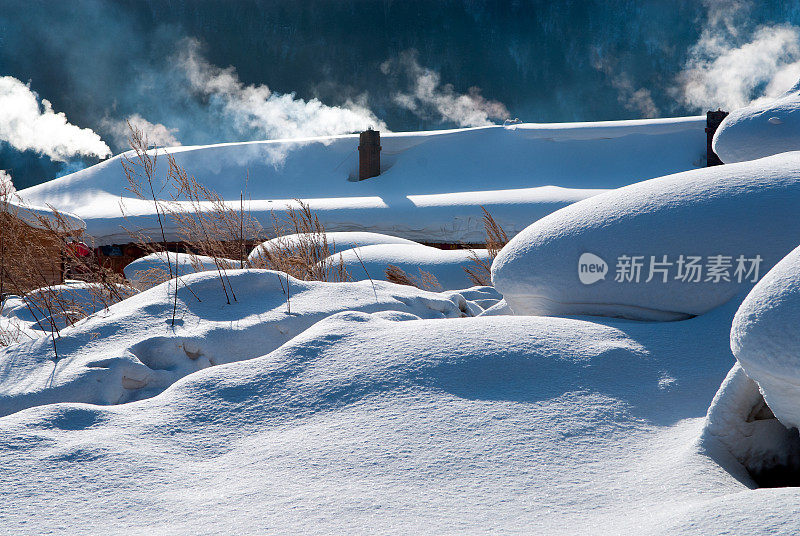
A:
[(369, 154)]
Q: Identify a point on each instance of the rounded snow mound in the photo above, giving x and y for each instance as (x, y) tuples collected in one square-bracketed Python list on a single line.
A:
[(415, 260), (662, 249), (760, 130), (766, 341), (150, 270), (337, 241)]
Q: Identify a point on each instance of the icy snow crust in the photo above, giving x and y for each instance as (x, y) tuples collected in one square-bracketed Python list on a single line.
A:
[(759, 130), (431, 187), (737, 209), (766, 341)]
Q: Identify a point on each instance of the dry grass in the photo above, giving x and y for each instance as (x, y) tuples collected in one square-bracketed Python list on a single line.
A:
[(35, 255), (481, 271), (210, 226), (307, 255), (425, 281)]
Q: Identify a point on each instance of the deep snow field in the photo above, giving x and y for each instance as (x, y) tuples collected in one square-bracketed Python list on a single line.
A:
[(648, 402)]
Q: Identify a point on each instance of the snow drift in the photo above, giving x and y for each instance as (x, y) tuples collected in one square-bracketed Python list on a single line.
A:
[(148, 271), (731, 219), (740, 422), (457, 425), (132, 350), (447, 266), (337, 242), (765, 338)]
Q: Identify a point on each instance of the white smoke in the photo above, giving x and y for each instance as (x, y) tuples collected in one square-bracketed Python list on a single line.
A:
[(156, 133), (6, 185), (427, 96), (255, 108), (730, 67), (28, 124)]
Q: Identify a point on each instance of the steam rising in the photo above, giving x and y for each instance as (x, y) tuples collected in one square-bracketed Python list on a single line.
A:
[(156, 134), (6, 184), (637, 99), (28, 124), (731, 66), (429, 98), (256, 109)]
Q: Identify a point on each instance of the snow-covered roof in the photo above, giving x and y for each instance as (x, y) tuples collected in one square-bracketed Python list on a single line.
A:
[(33, 215), (431, 187)]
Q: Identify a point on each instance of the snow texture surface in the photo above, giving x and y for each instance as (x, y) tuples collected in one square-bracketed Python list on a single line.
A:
[(132, 350), (383, 423)]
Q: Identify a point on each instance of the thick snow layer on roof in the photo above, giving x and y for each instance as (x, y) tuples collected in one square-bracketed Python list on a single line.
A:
[(36, 216), (766, 340), (746, 210), (494, 424), (759, 130), (431, 187)]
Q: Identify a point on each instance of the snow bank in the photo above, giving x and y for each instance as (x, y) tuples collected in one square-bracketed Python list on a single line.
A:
[(716, 215), (432, 183), (447, 266), (766, 341), (132, 350), (337, 242), (742, 424), (759, 130), (455, 425), (55, 306)]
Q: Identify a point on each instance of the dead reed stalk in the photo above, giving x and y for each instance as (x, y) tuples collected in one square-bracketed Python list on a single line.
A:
[(496, 238)]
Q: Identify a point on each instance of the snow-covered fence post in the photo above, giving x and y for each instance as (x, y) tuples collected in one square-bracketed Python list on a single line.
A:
[(713, 119), (369, 154)]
